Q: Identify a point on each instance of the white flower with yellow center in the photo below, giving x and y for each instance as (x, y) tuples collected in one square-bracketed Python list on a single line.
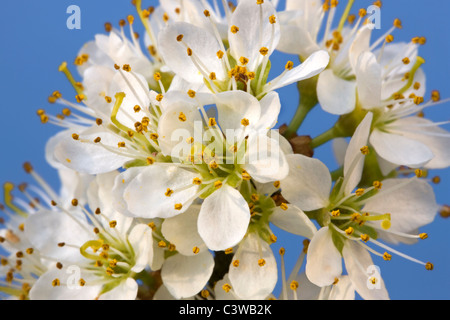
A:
[(199, 56), (96, 254), (356, 64), (398, 136), (253, 271), (392, 210), (24, 263), (187, 272), (201, 156)]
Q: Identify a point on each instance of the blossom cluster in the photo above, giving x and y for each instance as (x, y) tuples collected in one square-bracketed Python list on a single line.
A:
[(174, 171)]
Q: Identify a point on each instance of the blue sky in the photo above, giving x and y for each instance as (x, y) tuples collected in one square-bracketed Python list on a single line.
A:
[(35, 40)]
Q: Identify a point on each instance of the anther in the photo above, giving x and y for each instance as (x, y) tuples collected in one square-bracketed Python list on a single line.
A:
[(108, 27), (234, 29), (389, 38), (56, 283), (264, 51), (80, 97), (335, 213), (429, 266), (435, 96), (212, 122), (293, 285), (289, 65), (387, 256), (226, 287), (182, 117), (377, 185), (245, 122), (419, 173), (204, 294), (349, 231), (378, 3), (423, 236), (365, 150), (243, 60)]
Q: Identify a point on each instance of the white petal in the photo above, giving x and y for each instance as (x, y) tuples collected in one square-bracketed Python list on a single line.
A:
[(343, 290), (368, 78), (120, 184), (324, 262), (174, 133), (87, 157), (426, 132), (97, 81), (249, 280), (308, 184), (270, 110), (361, 269), (45, 229), (336, 95), (158, 257), (136, 91), (101, 195), (141, 240), (151, 184), (312, 66), (203, 44), (162, 293), (51, 145), (340, 146), (223, 219), (306, 289), (73, 185), (186, 276), (359, 45), (221, 294), (126, 290), (265, 161), (182, 232), (69, 289), (411, 203), (233, 106), (253, 33), (354, 159), (293, 220), (400, 150), (302, 44)]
